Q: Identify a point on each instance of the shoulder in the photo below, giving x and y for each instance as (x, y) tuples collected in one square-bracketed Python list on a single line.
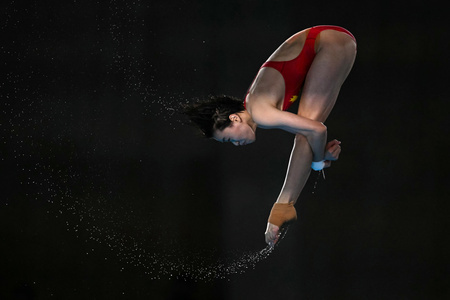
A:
[(267, 116)]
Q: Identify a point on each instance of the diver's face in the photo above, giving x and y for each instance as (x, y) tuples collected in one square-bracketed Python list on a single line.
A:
[(238, 132)]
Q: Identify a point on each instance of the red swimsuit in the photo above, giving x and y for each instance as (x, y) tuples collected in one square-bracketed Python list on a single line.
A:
[(294, 71)]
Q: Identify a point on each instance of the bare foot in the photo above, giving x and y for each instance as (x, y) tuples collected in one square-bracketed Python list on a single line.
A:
[(272, 234)]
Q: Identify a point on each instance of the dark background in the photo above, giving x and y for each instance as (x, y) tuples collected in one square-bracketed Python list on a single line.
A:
[(105, 189)]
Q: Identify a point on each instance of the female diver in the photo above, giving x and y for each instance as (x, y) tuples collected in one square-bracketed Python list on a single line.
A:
[(316, 61)]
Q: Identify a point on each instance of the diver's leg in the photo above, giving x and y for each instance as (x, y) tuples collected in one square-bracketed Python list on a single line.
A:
[(336, 53), (334, 59), (333, 62)]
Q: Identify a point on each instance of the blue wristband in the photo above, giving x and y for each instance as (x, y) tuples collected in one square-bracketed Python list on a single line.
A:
[(317, 165)]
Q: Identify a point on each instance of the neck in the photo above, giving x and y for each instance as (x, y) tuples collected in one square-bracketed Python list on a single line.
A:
[(247, 118)]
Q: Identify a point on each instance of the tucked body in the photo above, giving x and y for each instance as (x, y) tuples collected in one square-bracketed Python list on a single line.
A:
[(309, 67)]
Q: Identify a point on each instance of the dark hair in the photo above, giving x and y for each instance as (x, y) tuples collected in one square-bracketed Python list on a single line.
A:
[(213, 114)]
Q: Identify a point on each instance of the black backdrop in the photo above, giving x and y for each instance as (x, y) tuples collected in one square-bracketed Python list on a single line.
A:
[(98, 168)]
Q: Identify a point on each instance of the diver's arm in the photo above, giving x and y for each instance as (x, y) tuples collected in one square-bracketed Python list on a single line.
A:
[(314, 131)]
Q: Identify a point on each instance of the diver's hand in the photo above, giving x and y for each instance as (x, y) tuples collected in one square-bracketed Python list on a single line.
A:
[(332, 151), (272, 234)]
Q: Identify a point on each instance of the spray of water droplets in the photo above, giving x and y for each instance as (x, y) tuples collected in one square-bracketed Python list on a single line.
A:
[(41, 125), (94, 220)]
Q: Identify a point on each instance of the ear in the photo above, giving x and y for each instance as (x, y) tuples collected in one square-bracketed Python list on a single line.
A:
[(234, 118)]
